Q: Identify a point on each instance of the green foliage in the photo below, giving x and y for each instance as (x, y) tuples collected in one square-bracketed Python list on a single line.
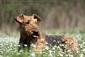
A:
[(8, 47)]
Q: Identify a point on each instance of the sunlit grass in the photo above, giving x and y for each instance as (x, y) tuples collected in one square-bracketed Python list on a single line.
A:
[(9, 46)]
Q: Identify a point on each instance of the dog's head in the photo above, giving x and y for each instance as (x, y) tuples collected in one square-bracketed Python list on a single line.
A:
[(28, 24)]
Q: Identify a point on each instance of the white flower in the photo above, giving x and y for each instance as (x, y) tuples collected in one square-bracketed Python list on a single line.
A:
[(70, 55), (53, 48), (47, 48), (1, 56), (50, 51), (33, 45), (81, 55), (83, 50), (50, 55), (25, 45), (60, 54), (33, 54)]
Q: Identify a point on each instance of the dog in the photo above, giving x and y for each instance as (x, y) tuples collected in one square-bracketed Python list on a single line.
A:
[(30, 35)]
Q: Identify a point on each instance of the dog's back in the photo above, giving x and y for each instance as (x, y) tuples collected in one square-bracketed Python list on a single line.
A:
[(54, 40), (61, 41)]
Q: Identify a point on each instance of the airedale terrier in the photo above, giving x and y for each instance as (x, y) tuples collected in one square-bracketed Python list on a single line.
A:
[(31, 34)]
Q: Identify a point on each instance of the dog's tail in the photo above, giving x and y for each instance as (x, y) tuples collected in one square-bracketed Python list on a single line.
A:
[(71, 43)]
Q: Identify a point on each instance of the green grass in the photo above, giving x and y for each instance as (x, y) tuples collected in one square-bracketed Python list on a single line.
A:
[(9, 46)]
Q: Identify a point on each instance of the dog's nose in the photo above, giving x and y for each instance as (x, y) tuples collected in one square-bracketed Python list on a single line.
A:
[(35, 31)]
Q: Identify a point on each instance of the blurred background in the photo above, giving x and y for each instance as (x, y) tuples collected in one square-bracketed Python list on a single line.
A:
[(55, 14)]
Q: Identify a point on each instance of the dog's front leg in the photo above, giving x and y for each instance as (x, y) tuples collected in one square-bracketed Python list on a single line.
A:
[(20, 45)]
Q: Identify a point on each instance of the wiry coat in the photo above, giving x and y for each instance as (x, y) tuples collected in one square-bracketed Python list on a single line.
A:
[(31, 34)]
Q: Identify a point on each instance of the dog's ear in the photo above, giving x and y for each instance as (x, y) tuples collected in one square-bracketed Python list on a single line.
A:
[(20, 18), (36, 17)]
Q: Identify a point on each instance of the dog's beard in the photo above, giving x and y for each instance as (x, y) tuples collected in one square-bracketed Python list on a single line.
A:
[(34, 38)]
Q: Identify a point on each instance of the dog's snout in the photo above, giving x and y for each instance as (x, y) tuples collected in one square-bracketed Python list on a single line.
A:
[(35, 31)]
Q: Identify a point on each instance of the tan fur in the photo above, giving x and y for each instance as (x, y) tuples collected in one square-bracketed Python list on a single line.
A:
[(71, 42), (31, 34), (28, 24)]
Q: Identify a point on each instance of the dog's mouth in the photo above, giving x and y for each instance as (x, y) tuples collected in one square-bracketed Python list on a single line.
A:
[(35, 35)]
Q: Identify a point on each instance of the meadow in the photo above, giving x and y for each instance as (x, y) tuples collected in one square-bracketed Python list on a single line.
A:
[(9, 46)]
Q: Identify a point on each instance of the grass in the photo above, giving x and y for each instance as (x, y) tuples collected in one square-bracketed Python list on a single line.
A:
[(9, 46)]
